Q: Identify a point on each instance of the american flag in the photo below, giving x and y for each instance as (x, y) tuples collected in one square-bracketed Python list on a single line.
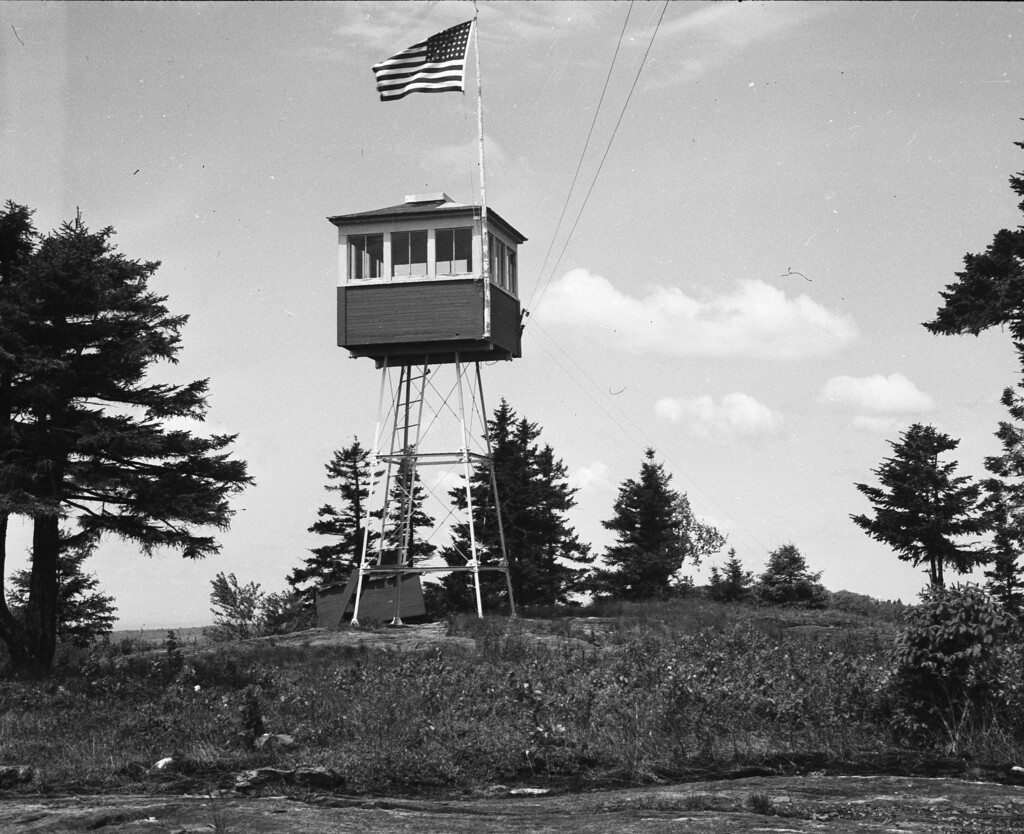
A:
[(435, 65)]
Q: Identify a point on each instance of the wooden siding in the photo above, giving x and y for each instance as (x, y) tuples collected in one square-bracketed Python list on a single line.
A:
[(377, 602), (413, 311), (330, 605), (505, 322), (413, 321), (334, 603)]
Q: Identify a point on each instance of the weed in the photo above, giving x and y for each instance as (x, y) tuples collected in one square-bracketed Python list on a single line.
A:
[(174, 659), (696, 802), (251, 719), (669, 802), (758, 802)]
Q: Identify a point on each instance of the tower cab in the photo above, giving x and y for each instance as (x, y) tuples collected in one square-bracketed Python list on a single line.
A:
[(413, 287)]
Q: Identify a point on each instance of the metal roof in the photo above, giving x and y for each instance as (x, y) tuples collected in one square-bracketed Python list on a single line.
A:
[(428, 208)]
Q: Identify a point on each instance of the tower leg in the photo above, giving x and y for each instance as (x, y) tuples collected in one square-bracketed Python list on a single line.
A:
[(408, 426), (494, 492), (388, 547), (474, 553), (374, 454)]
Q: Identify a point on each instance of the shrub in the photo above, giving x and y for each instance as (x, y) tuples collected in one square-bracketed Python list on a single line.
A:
[(244, 611), (284, 613), (865, 606), (949, 673)]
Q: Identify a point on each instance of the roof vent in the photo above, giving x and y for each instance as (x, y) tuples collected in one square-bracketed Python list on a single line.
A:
[(438, 197)]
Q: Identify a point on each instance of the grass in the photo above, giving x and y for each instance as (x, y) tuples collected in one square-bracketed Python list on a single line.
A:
[(641, 695)]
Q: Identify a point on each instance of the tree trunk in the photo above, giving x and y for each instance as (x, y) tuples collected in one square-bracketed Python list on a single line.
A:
[(41, 611), (12, 631)]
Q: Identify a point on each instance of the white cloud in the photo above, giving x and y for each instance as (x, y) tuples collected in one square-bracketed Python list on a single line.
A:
[(893, 394), (592, 477), (715, 34), (389, 27), (738, 416), (734, 25), (880, 425), (755, 319)]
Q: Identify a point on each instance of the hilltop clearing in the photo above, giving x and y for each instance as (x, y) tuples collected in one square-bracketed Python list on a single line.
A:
[(734, 719)]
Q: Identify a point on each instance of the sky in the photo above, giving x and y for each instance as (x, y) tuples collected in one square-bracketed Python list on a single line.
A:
[(772, 197)]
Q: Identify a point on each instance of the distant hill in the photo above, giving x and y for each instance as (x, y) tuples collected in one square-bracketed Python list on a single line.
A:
[(158, 636)]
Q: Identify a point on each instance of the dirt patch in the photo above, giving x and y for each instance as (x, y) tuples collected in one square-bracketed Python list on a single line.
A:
[(842, 805), (400, 638), (409, 638)]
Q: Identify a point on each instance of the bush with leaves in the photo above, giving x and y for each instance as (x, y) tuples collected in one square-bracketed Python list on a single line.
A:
[(244, 611), (949, 677)]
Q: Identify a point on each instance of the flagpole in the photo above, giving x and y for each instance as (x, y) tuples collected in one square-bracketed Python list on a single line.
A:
[(480, 131)]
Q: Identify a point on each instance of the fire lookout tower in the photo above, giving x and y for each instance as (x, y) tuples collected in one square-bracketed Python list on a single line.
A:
[(426, 287)]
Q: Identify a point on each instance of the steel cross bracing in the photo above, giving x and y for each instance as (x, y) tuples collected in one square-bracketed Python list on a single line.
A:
[(421, 424)]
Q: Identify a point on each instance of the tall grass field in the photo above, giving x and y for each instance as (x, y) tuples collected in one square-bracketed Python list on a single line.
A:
[(634, 694)]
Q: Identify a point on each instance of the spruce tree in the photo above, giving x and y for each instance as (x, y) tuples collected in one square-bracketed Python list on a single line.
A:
[(1003, 507), (82, 430), (83, 613), (403, 541), (348, 474), (732, 583), (544, 553), (921, 510), (345, 524), (989, 291), (788, 581), (656, 533)]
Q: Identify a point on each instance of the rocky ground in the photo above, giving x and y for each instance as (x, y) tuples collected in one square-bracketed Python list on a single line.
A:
[(840, 805)]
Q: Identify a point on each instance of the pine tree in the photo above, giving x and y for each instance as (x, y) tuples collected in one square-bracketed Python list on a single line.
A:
[(921, 509), (83, 613), (656, 534), (81, 429), (1006, 577), (788, 581), (18, 239), (333, 562), (732, 584), (348, 474), (989, 292), (544, 552), (403, 541), (1003, 508)]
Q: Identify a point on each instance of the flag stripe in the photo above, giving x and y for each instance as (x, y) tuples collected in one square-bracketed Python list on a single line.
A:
[(401, 78), (457, 87), (435, 65), (410, 56), (419, 85), (412, 69)]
